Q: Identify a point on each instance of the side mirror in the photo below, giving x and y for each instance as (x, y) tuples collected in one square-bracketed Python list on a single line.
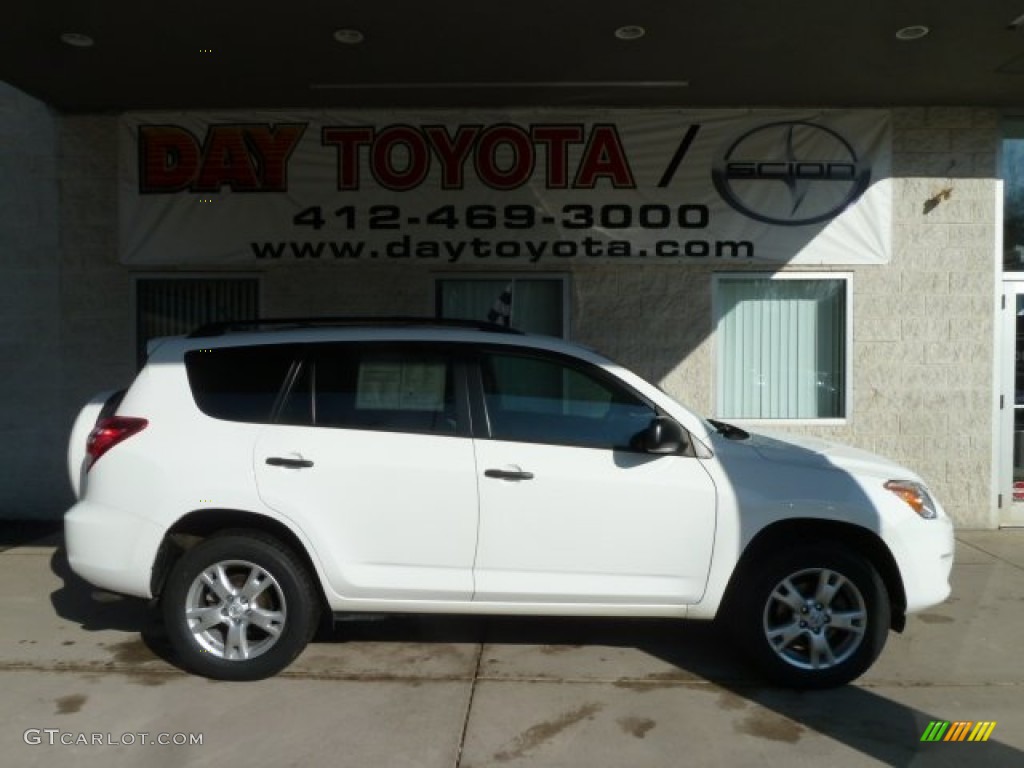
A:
[(663, 436)]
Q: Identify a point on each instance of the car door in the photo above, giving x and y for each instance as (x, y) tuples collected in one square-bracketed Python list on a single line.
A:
[(571, 511), (372, 454)]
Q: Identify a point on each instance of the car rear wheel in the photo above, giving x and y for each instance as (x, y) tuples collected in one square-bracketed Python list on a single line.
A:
[(815, 617), (239, 606)]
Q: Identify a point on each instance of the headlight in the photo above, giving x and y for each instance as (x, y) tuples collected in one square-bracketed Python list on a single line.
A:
[(915, 495)]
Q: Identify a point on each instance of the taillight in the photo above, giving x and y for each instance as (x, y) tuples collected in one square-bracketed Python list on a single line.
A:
[(109, 432)]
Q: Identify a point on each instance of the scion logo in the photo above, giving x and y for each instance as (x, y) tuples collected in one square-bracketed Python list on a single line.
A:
[(790, 173)]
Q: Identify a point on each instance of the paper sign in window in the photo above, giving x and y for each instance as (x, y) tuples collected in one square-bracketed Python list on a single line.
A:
[(401, 386)]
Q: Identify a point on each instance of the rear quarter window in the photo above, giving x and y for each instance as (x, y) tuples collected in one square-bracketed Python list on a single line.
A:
[(238, 383)]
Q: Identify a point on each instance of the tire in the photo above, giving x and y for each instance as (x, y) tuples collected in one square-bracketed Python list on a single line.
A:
[(814, 617), (239, 606)]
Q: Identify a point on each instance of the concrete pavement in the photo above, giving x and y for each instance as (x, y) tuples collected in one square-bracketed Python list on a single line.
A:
[(455, 691)]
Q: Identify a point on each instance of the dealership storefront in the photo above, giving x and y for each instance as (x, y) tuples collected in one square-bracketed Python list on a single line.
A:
[(835, 272)]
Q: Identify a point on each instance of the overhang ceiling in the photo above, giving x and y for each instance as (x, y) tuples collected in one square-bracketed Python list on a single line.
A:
[(255, 54)]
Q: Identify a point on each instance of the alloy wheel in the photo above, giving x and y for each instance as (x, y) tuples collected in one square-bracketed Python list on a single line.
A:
[(235, 610), (815, 619)]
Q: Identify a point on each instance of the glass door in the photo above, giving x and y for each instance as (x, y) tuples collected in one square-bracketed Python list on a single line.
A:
[(1012, 406), (1011, 350)]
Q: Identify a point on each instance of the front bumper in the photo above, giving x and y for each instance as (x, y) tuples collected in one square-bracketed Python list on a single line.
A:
[(923, 550)]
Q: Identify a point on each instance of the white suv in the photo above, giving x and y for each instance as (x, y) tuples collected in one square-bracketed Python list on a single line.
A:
[(254, 476)]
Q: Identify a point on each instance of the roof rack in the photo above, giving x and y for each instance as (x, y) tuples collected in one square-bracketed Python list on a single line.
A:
[(286, 323)]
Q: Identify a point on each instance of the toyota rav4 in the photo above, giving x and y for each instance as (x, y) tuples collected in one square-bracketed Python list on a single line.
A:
[(254, 477)]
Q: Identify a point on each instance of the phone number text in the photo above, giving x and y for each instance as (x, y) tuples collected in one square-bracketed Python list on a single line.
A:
[(511, 217)]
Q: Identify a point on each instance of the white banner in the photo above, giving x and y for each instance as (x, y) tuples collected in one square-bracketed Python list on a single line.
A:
[(506, 188)]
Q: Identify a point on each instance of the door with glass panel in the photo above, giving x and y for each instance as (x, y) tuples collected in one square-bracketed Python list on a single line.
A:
[(1011, 401), (571, 511), (371, 456), (1012, 406)]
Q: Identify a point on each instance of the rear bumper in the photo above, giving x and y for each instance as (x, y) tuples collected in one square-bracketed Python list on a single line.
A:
[(112, 549)]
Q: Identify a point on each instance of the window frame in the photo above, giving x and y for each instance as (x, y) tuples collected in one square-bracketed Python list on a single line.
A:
[(716, 312), (559, 277), (1011, 128)]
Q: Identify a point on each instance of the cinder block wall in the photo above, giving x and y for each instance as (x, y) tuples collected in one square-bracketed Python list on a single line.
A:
[(923, 329), (923, 326), (31, 456), (97, 321), (922, 336)]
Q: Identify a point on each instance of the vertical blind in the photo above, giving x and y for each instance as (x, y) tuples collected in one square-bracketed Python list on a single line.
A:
[(782, 348), (535, 305), (174, 306)]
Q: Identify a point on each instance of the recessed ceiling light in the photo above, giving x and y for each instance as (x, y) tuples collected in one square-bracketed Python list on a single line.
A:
[(348, 36), (630, 32), (913, 32), (77, 39)]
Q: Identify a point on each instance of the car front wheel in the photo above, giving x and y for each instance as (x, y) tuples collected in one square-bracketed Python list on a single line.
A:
[(239, 607), (815, 617)]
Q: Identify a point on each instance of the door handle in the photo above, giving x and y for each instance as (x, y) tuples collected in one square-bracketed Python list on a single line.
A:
[(508, 474), (280, 461)]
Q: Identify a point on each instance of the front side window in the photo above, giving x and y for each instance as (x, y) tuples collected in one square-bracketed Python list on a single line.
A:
[(357, 386), (781, 347), (544, 400)]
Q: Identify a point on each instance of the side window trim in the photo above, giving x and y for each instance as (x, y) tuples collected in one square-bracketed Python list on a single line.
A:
[(466, 424), (475, 390), (298, 362)]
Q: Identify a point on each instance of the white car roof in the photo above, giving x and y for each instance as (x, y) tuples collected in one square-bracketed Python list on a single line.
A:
[(424, 331)]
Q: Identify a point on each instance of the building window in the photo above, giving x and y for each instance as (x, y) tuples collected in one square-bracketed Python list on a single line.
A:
[(1012, 172), (170, 306), (530, 304), (782, 346)]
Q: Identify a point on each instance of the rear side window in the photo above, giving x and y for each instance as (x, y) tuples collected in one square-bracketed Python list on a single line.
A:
[(239, 383), (400, 389)]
